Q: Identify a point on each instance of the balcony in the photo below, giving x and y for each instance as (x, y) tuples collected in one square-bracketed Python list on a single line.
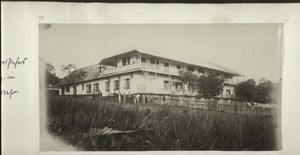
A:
[(232, 81), (159, 69), (122, 69)]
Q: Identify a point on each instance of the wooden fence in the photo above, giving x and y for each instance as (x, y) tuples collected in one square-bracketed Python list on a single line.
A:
[(197, 103)]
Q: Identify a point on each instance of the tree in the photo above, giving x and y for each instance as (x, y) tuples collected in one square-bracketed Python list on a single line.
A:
[(264, 91), (73, 75), (51, 78), (245, 91), (188, 79), (68, 69), (210, 85)]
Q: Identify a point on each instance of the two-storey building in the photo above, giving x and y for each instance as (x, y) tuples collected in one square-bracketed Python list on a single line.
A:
[(136, 72)]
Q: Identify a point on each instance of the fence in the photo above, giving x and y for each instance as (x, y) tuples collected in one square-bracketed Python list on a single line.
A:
[(220, 105)]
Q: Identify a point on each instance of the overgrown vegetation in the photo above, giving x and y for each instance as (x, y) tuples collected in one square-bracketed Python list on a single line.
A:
[(51, 78), (206, 85), (174, 128), (263, 92)]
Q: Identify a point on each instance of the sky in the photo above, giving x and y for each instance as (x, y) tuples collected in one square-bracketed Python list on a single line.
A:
[(253, 50)]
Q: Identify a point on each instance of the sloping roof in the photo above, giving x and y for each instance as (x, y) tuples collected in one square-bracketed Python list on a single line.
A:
[(225, 69), (88, 73), (93, 71), (192, 60)]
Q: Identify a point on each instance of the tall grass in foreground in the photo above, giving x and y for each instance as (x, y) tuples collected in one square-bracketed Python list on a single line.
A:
[(174, 128)]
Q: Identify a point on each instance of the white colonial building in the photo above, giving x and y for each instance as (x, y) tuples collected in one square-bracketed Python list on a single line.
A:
[(135, 72)]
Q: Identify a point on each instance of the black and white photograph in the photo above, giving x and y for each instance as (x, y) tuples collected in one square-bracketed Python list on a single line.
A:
[(161, 87)]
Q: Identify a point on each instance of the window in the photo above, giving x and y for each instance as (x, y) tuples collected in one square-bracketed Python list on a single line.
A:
[(228, 92), (166, 84), (128, 60), (201, 70), (82, 86), (143, 59), (152, 60), (191, 87), (124, 61), (68, 89), (107, 86), (127, 83), (117, 85), (178, 66), (178, 85), (191, 68), (96, 87), (167, 64), (88, 88)]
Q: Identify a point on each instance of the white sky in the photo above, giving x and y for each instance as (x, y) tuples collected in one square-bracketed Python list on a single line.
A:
[(253, 50)]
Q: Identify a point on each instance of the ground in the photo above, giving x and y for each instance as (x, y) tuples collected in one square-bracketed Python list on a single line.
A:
[(158, 127)]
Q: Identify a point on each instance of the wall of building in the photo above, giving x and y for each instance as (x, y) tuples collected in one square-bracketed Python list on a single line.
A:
[(133, 59), (228, 87), (101, 82), (154, 84)]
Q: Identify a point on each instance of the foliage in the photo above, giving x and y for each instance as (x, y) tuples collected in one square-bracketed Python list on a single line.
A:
[(264, 91), (75, 76), (210, 85), (248, 91), (68, 69), (245, 91), (207, 86), (51, 78), (187, 78), (175, 128)]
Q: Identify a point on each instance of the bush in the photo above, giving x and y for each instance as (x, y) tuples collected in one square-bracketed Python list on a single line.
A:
[(175, 128)]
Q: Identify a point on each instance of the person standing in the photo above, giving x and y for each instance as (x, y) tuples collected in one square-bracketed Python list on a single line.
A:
[(137, 98), (119, 95), (124, 97), (100, 93), (129, 97), (115, 96)]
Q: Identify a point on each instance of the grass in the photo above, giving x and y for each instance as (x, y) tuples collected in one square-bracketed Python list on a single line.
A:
[(174, 128)]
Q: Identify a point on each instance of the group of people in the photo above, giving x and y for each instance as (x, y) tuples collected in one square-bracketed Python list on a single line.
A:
[(125, 97)]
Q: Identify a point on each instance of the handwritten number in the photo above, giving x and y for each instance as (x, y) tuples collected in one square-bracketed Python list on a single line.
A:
[(41, 18)]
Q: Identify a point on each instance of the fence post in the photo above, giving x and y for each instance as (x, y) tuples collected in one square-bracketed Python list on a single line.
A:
[(235, 107)]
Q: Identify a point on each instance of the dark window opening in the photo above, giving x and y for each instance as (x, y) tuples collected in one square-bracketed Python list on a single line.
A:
[(123, 61), (191, 68), (116, 85), (166, 84), (167, 64), (68, 89), (152, 60), (143, 59), (88, 88), (228, 92), (127, 84), (96, 87), (201, 70), (128, 60), (178, 66), (107, 86)]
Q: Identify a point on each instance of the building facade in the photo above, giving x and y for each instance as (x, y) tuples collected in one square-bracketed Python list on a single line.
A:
[(135, 72)]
